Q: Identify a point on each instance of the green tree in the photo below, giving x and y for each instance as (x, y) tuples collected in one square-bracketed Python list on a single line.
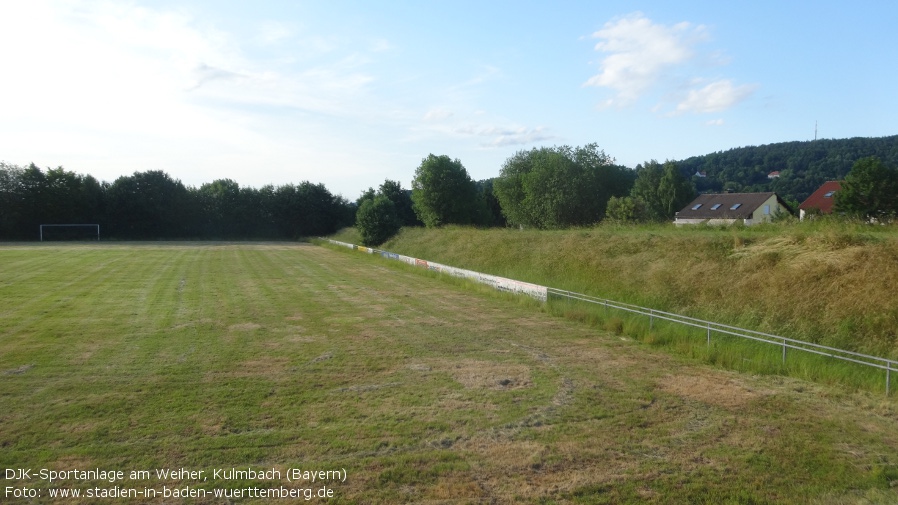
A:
[(625, 209), (674, 190), (493, 208), (377, 220), (662, 189), (255, 218), (219, 201), (559, 186), (645, 189), (870, 190), (11, 200), (402, 200), (306, 210), (368, 194), (443, 193), (149, 205)]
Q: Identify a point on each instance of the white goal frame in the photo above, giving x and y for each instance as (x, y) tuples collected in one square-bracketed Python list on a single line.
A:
[(42, 228)]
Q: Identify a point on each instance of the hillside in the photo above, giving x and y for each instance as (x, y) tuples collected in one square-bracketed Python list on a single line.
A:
[(831, 283), (803, 166)]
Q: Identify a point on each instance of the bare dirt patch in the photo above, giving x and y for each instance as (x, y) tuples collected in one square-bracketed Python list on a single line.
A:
[(367, 387), (269, 368), (19, 370), (719, 389), (482, 374), (244, 327), (300, 339), (324, 357)]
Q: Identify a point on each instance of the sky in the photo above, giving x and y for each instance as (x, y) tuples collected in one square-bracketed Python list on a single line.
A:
[(351, 93)]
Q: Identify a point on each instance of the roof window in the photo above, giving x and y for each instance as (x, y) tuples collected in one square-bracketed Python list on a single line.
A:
[(829, 194), (735, 206), (696, 206), (716, 206)]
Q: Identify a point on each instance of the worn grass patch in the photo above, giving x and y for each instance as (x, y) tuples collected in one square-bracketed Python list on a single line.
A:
[(205, 356)]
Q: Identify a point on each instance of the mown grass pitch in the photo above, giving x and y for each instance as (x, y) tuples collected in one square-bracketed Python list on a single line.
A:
[(279, 356)]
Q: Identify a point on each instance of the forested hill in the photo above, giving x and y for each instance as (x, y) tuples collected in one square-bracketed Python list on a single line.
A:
[(803, 166)]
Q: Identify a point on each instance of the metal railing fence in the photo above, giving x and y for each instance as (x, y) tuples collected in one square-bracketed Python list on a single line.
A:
[(711, 327)]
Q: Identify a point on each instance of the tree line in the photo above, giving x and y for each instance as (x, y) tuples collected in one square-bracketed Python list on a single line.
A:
[(565, 186), (803, 166), (153, 205), (544, 188)]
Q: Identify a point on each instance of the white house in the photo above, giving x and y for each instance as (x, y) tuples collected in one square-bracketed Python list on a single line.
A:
[(728, 208)]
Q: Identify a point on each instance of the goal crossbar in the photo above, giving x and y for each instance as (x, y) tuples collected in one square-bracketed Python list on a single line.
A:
[(95, 225)]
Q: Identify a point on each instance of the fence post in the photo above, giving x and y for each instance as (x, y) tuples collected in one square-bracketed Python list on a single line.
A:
[(606, 307), (651, 319), (888, 376), (784, 351), (709, 334)]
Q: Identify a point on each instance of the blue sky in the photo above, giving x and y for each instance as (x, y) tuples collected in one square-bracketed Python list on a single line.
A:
[(351, 93)]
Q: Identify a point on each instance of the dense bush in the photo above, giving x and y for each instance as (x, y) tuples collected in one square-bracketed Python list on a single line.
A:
[(377, 220)]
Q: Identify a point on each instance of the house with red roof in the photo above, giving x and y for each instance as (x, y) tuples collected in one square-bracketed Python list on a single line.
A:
[(820, 201)]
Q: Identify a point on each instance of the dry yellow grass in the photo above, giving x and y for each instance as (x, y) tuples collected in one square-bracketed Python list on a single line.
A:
[(832, 286)]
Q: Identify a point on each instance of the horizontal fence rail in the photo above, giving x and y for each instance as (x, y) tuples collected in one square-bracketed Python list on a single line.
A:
[(712, 327), (542, 293)]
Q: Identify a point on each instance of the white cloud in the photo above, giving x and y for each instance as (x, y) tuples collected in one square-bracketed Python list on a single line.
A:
[(205, 73), (643, 57), (639, 54), (715, 97), (111, 86), (99, 63), (506, 136), (715, 122)]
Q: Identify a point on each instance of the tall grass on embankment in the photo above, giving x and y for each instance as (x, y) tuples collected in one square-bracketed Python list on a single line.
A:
[(829, 282)]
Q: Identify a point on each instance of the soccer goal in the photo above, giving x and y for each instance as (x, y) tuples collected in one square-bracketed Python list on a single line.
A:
[(70, 232)]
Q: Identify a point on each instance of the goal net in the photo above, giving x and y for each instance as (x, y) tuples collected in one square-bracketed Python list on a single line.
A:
[(70, 232)]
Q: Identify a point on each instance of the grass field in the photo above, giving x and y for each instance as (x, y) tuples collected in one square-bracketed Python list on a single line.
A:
[(278, 356)]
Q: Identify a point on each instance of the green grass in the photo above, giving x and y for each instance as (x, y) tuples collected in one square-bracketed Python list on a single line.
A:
[(825, 282), (727, 351), (202, 356)]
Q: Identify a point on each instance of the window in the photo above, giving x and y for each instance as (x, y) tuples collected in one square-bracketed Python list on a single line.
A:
[(766, 209), (829, 194), (696, 206), (735, 206), (716, 206)]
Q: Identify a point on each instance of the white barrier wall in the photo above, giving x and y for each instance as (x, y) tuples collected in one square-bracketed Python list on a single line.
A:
[(541, 293)]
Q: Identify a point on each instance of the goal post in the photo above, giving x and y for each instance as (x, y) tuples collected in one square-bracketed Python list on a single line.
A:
[(96, 226)]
